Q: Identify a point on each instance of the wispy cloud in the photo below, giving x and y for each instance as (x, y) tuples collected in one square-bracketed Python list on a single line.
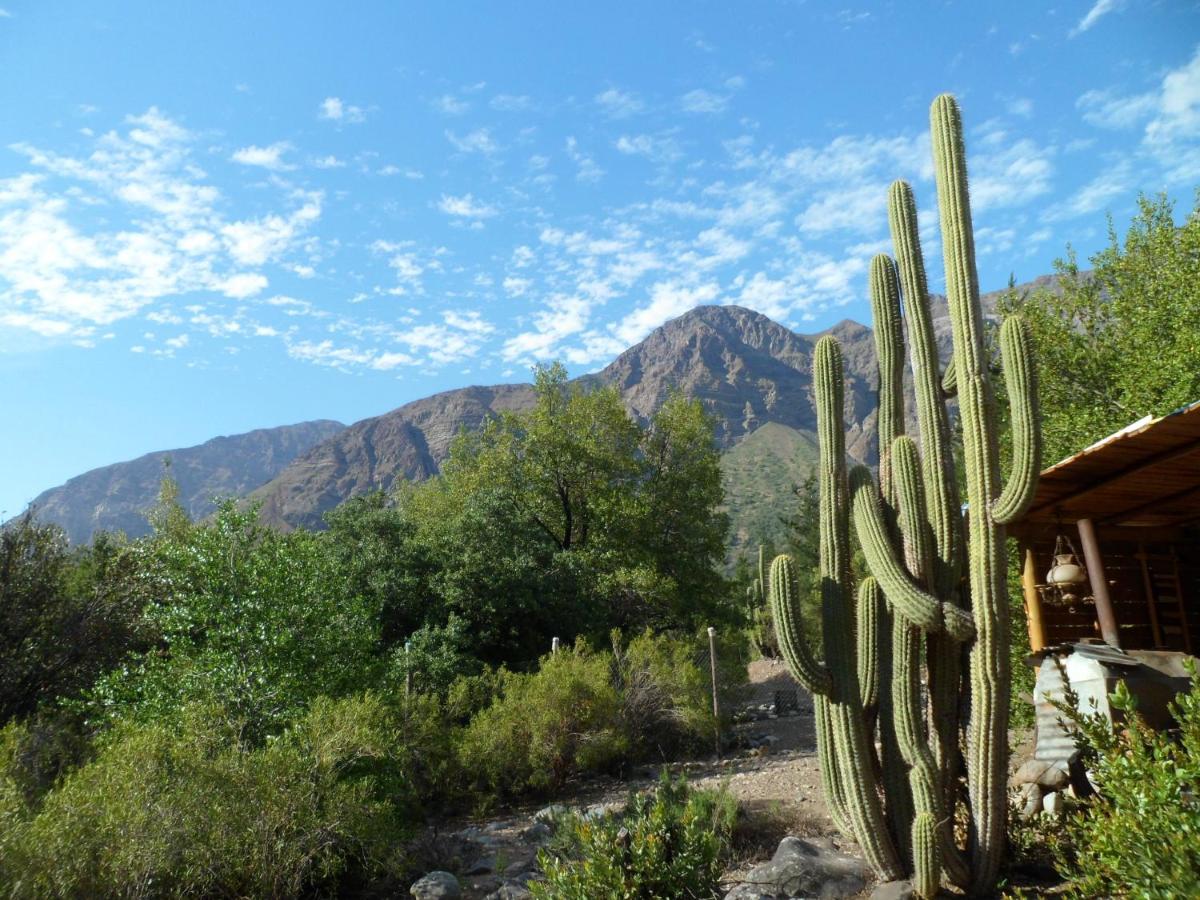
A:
[(511, 103), (478, 141), (451, 105), (333, 109), (619, 104), (270, 157), (703, 102), (466, 207), (1099, 10)]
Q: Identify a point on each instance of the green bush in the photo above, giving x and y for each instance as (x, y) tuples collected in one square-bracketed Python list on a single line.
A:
[(546, 726), (249, 619), (188, 810), (670, 843), (1141, 836)]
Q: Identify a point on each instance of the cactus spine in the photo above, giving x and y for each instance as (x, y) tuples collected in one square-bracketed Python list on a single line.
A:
[(912, 534)]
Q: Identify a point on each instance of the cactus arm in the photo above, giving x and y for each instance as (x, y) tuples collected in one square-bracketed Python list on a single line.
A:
[(870, 602), (909, 599), (785, 609), (831, 785), (1016, 355), (889, 351), (987, 745), (950, 379), (941, 483)]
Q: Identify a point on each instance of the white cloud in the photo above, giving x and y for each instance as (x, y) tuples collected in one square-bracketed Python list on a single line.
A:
[(270, 157), (254, 242), (329, 162), (1105, 109), (656, 149), (586, 167), (702, 101), (619, 104), (667, 301), (465, 206), (332, 109), (1012, 176), (478, 141), (1100, 9), (244, 285), (511, 103), (451, 105)]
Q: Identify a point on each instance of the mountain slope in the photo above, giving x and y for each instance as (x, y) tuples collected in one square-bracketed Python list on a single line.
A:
[(747, 370), (116, 497)]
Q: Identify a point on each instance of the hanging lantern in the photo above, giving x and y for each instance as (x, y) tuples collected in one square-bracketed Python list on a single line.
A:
[(1067, 572)]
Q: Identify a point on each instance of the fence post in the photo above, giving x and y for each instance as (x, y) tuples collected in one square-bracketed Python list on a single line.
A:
[(712, 659), (553, 645)]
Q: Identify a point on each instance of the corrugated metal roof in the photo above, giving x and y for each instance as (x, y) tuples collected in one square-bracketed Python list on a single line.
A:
[(1148, 473)]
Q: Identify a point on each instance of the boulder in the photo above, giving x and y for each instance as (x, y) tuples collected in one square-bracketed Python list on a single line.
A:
[(804, 868), (436, 886), (510, 891), (549, 815), (1052, 775)]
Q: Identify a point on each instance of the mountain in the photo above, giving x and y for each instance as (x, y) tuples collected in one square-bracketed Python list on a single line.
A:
[(749, 371), (116, 497)]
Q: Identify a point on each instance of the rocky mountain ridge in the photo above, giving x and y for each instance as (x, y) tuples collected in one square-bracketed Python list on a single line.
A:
[(748, 370)]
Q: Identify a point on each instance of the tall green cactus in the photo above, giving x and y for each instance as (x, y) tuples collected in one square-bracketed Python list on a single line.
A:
[(912, 534)]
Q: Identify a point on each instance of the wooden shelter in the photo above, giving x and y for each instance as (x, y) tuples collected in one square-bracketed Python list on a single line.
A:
[(1131, 504)]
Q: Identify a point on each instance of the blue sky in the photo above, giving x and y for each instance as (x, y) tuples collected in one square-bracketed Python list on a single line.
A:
[(221, 216)]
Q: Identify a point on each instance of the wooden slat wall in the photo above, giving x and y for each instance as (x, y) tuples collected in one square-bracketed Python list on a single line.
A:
[(1127, 589)]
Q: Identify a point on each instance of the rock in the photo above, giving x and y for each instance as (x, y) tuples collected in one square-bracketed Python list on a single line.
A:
[(603, 811), (482, 866), (537, 833), (510, 891), (1029, 800), (804, 868), (893, 890), (520, 867), (436, 886), (1052, 775), (1052, 803), (549, 815)]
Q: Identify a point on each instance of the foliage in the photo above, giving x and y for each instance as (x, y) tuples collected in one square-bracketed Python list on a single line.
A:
[(670, 843), (253, 620), (1119, 342), (546, 726), (587, 711), (65, 617), (603, 523), (1141, 836), (188, 809)]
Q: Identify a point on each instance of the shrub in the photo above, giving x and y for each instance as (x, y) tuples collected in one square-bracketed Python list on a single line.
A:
[(1141, 836), (666, 690), (252, 620), (190, 811), (547, 725), (670, 843)]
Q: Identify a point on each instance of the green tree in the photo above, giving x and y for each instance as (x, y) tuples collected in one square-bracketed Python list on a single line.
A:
[(66, 615), (254, 620), (1123, 340)]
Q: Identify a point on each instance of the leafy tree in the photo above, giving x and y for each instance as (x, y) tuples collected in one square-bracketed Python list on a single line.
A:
[(254, 620), (1123, 340), (621, 516), (65, 616)]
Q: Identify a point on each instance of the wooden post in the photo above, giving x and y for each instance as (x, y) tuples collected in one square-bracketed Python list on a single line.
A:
[(712, 659), (1033, 601), (1099, 581)]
